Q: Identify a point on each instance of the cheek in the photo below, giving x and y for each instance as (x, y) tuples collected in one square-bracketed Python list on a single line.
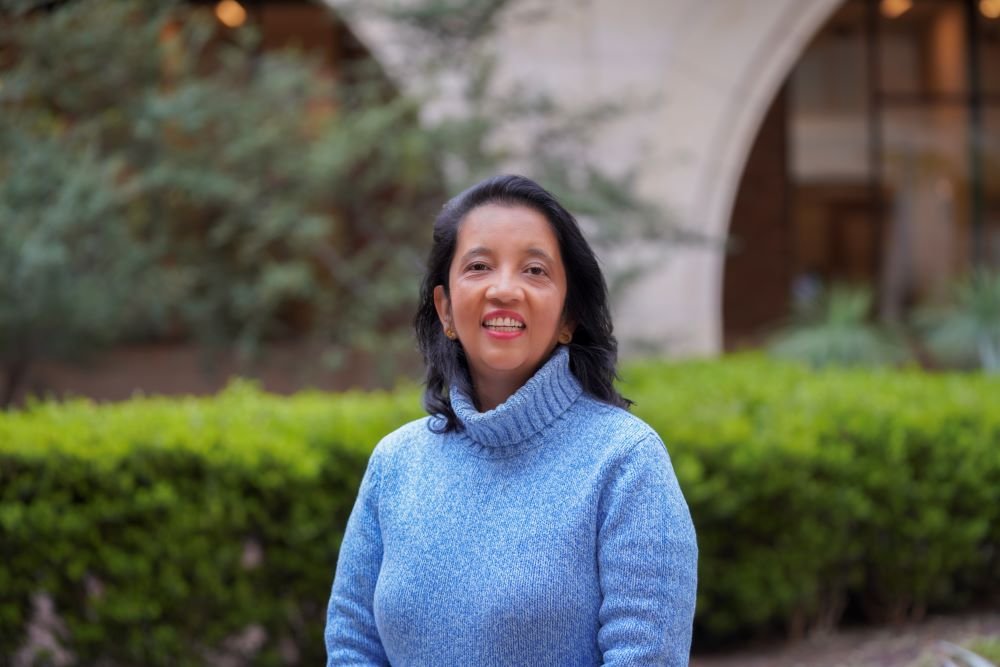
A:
[(463, 304), (562, 304), (554, 310)]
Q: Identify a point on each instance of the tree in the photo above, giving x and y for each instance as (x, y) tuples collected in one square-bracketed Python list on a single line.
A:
[(68, 262)]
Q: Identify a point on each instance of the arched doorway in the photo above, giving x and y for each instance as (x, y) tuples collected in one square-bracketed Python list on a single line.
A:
[(876, 164)]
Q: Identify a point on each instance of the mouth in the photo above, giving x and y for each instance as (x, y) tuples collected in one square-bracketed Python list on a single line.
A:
[(504, 323)]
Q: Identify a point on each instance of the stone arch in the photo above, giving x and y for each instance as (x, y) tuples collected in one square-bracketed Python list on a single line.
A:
[(711, 69)]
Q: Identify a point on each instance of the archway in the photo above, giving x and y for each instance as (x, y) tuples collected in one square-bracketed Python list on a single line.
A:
[(707, 73), (871, 166)]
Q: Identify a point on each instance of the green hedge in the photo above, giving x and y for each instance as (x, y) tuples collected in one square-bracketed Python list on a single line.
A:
[(812, 492), (172, 532), (163, 529)]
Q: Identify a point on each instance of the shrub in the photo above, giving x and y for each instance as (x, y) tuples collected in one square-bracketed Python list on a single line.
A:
[(811, 490), (836, 330), (178, 531), (163, 529), (968, 329)]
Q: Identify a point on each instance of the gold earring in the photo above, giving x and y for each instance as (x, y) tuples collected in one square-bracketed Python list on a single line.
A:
[(450, 333), (565, 337)]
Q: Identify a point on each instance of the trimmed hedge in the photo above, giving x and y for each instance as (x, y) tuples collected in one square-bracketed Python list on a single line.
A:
[(182, 532), (811, 492), (164, 529)]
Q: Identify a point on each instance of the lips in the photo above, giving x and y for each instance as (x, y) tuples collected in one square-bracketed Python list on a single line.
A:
[(503, 321)]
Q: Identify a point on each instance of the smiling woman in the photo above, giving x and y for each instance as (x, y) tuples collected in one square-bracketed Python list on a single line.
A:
[(530, 519), (505, 296)]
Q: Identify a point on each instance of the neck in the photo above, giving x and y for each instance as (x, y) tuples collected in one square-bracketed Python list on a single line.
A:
[(502, 417), (489, 393)]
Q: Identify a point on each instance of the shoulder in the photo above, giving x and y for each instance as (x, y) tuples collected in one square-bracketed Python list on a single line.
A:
[(637, 473), (412, 434), (613, 430), (411, 448), (610, 442)]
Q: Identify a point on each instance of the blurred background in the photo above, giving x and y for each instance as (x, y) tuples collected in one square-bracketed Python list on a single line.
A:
[(797, 205), (197, 190)]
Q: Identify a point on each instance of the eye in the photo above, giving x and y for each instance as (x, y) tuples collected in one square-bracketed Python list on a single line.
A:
[(536, 270), (477, 266)]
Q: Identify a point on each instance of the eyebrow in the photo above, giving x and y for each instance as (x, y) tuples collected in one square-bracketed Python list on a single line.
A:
[(538, 252), (478, 250), (483, 250)]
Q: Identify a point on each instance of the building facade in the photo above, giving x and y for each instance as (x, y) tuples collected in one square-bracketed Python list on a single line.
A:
[(828, 141)]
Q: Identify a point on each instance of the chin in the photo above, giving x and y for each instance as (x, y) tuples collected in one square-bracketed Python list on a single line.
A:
[(505, 363)]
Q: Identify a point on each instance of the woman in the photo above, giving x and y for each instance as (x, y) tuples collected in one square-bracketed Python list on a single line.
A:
[(530, 519)]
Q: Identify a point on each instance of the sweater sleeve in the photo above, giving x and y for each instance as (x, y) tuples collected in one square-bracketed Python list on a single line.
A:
[(351, 636), (647, 560)]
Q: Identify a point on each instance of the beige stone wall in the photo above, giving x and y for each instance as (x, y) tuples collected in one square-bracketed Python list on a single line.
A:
[(703, 73)]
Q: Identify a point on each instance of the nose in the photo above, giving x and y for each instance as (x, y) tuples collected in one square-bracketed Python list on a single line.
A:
[(504, 288)]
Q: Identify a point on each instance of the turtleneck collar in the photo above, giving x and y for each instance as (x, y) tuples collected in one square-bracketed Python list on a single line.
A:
[(542, 399)]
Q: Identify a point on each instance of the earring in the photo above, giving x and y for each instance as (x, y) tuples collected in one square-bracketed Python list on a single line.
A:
[(565, 337), (450, 333)]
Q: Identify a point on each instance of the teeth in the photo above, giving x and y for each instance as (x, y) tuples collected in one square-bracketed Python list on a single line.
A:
[(506, 322)]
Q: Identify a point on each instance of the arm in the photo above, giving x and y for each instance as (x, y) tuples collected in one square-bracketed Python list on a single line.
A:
[(351, 635), (647, 560)]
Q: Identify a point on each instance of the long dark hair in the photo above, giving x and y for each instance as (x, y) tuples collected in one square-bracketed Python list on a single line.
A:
[(593, 352)]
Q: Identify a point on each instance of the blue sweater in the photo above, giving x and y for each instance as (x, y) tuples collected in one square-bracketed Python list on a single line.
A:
[(549, 531)]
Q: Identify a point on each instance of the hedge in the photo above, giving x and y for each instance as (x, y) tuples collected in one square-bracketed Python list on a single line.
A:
[(814, 492), (164, 530), (192, 531)]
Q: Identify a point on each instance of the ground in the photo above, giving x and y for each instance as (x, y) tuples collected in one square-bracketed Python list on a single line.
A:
[(910, 646)]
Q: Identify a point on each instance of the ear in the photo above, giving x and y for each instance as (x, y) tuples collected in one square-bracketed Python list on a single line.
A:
[(566, 330), (442, 304)]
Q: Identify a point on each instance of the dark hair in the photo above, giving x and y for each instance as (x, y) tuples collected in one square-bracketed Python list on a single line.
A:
[(593, 351)]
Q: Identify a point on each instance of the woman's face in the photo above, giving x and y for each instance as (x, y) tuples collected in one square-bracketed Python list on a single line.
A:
[(507, 289)]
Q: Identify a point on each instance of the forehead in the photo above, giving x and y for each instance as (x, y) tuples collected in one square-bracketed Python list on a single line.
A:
[(500, 227)]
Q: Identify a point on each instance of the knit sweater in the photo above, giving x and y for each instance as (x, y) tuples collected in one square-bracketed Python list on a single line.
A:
[(548, 531)]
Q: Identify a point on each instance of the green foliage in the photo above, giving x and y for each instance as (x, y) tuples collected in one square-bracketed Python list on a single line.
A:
[(812, 490), (968, 331), (238, 182), (162, 529), (835, 330), (69, 264)]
